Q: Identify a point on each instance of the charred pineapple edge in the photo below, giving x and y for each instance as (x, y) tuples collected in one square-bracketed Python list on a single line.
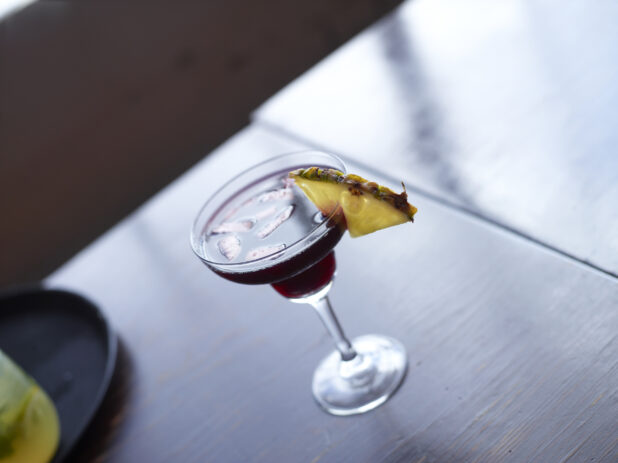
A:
[(357, 185)]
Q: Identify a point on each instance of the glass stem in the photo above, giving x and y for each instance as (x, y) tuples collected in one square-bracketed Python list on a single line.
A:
[(325, 312)]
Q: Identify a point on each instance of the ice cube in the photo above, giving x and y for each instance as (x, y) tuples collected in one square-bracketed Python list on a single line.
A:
[(233, 227), (318, 217), (276, 195), (229, 246), (271, 226), (264, 251), (265, 213)]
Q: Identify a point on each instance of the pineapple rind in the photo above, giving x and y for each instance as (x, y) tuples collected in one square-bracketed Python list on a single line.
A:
[(367, 206)]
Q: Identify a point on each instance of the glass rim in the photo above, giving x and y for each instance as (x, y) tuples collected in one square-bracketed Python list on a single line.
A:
[(293, 247)]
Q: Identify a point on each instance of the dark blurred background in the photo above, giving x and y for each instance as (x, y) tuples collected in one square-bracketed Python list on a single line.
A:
[(104, 103)]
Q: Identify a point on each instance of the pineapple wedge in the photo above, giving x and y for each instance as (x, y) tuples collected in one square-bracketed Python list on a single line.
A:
[(367, 206)]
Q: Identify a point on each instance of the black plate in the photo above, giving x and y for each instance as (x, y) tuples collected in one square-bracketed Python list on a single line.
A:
[(65, 343)]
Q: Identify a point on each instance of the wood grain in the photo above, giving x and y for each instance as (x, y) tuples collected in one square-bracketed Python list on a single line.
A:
[(507, 109), (513, 348)]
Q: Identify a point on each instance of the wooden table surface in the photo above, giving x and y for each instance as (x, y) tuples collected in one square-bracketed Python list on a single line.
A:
[(513, 347), (507, 109)]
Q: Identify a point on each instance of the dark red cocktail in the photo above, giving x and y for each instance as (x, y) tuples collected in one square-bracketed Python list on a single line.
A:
[(260, 228), (309, 280), (269, 232)]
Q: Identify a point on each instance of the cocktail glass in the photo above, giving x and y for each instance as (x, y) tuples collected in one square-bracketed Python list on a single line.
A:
[(259, 228)]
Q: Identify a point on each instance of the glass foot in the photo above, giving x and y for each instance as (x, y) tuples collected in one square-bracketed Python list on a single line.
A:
[(363, 383)]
